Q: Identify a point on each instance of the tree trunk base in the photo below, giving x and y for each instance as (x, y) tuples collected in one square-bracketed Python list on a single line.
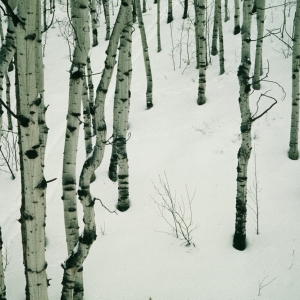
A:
[(123, 205), (256, 86), (237, 30), (239, 242), (293, 154), (201, 100)]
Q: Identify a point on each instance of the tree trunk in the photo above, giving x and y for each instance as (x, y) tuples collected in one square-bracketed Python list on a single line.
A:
[(227, 17), (260, 8), (94, 22), (158, 27), (201, 10), (79, 253), (33, 182), (186, 7), (237, 27), (80, 20), (239, 240), (123, 110), (107, 18), (2, 283), (293, 151), (214, 47), (144, 6), (197, 42), (170, 12), (149, 102), (221, 41)]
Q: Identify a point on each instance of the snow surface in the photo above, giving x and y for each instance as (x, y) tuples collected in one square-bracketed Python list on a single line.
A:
[(197, 147)]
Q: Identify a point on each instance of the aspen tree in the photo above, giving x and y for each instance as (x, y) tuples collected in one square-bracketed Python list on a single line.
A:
[(214, 48), (33, 182), (158, 27), (123, 110), (7, 52), (149, 102), (144, 6), (293, 149), (221, 40), (170, 12), (79, 253), (258, 71), (239, 240), (227, 17), (200, 11), (94, 22), (237, 27), (2, 283), (80, 21), (107, 18), (185, 11), (196, 23)]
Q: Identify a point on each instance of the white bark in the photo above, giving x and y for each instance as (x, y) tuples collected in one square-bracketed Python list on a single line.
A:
[(260, 17), (94, 21), (2, 283), (107, 18), (293, 150), (237, 27), (33, 182), (239, 240), (149, 102), (200, 11), (80, 251)]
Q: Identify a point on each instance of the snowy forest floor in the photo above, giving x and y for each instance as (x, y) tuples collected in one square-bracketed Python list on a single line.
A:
[(134, 257)]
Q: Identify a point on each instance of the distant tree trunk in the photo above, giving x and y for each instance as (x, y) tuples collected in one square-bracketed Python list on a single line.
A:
[(197, 42), (80, 20), (33, 182), (186, 7), (221, 41), (170, 12), (149, 102), (158, 27), (94, 21), (293, 151), (237, 27), (214, 47), (144, 6), (2, 283), (7, 52), (107, 18), (201, 10), (239, 240), (80, 251), (227, 17), (260, 8)]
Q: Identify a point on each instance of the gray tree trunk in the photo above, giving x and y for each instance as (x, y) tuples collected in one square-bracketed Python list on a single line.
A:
[(197, 42), (221, 40), (227, 16), (293, 150), (32, 178), (260, 8), (214, 47), (158, 27), (2, 283), (239, 240), (94, 21), (200, 11), (170, 12), (79, 253)]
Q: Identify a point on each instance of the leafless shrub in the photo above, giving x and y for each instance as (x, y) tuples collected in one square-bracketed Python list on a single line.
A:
[(177, 214)]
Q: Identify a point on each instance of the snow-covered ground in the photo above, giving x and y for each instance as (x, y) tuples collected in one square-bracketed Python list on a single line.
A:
[(196, 147)]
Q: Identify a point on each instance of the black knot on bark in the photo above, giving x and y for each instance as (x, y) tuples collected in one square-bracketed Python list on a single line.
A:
[(42, 184), (24, 121), (88, 237), (31, 154), (76, 75), (31, 37)]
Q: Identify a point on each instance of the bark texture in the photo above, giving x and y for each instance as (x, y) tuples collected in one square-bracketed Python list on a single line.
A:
[(107, 18), (73, 263), (294, 139), (158, 27), (170, 12), (2, 283), (32, 178), (200, 11), (260, 18), (237, 27), (149, 102), (239, 240)]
